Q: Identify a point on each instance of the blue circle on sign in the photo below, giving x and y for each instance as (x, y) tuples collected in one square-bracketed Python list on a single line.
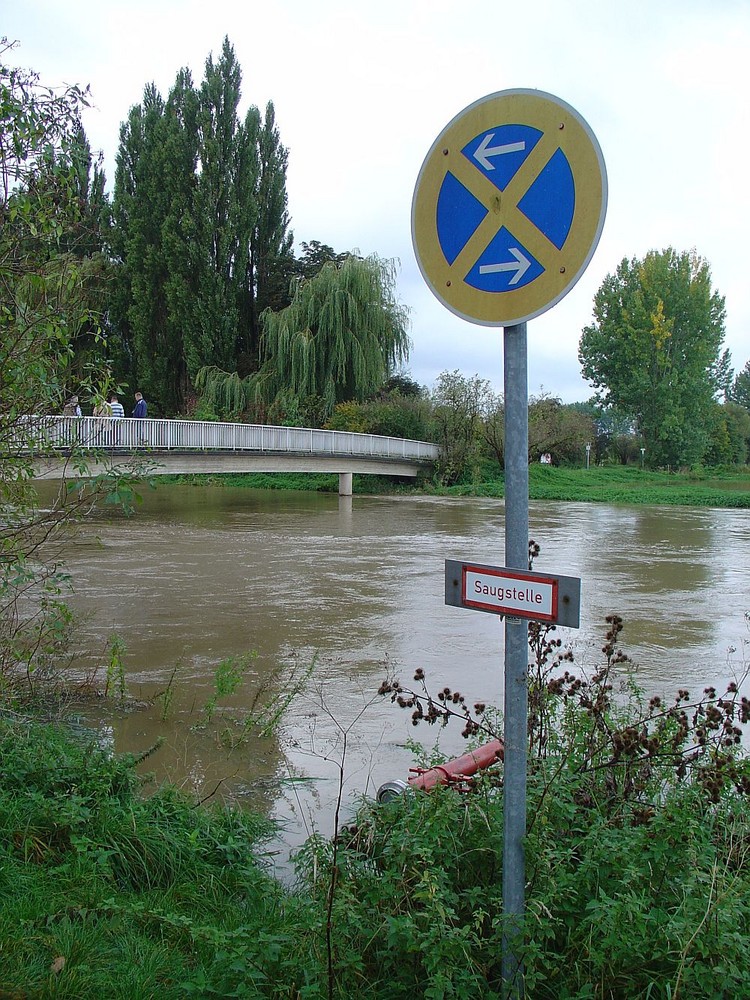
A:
[(548, 203)]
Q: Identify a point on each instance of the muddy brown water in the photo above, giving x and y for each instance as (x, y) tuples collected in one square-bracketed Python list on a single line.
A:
[(355, 586)]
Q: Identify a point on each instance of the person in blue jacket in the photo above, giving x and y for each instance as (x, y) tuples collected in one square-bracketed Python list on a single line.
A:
[(140, 406)]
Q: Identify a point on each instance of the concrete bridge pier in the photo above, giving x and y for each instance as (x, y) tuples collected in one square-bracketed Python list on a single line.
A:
[(345, 484)]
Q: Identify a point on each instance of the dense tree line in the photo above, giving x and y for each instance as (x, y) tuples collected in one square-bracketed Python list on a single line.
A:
[(188, 288), (186, 282), (207, 293)]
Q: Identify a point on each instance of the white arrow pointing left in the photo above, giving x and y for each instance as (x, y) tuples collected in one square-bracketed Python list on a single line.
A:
[(520, 265), (484, 150)]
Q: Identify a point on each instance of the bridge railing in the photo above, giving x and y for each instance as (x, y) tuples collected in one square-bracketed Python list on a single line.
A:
[(129, 434)]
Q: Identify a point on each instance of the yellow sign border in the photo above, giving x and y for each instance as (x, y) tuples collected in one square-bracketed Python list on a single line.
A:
[(562, 127)]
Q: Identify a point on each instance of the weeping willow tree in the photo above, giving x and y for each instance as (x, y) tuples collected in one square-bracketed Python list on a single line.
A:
[(340, 338), (223, 394)]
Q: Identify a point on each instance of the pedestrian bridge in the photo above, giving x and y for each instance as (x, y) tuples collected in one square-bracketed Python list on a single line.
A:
[(200, 447)]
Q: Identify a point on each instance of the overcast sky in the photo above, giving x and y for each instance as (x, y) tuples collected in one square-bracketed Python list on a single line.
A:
[(361, 91)]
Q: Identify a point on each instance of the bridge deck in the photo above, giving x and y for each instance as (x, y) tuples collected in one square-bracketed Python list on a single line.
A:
[(185, 446)]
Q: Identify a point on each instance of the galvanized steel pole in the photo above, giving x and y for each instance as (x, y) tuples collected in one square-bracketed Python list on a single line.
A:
[(516, 653)]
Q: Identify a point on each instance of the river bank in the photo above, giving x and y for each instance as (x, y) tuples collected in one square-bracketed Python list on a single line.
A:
[(638, 881), (719, 487)]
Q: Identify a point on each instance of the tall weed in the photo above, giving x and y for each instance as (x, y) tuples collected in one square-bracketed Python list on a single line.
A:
[(637, 846)]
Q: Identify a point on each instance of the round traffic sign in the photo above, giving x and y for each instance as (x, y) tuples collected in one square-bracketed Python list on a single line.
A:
[(508, 207)]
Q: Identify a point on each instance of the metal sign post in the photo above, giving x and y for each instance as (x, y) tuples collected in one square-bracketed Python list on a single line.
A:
[(515, 381), (507, 212)]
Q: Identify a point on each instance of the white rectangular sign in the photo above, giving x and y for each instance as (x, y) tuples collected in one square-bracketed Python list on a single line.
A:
[(545, 597), (510, 593)]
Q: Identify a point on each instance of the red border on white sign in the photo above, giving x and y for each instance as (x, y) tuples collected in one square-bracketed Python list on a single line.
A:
[(514, 607)]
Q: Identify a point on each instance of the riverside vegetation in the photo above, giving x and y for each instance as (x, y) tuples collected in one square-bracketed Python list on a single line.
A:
[(637, 863), (714, 487)]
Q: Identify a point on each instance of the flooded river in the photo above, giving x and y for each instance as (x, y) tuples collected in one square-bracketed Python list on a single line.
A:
[(354, 588)]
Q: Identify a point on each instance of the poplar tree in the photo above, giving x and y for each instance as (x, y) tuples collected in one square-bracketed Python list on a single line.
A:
[(271, 244), (70, 178), (180, 153), (141, 206), (740, 389), (201, 232), (222, 231)]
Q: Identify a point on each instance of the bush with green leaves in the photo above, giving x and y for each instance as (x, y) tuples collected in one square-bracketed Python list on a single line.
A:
[(638, 882), (393, 415), (51, 346)]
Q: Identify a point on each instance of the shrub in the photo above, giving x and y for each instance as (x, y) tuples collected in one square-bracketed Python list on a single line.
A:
[(637, 856)]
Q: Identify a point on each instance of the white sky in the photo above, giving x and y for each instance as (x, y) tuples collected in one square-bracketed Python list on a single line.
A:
[(361, 91)]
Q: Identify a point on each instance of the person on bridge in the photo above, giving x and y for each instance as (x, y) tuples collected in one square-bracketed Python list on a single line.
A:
[(72, 408), (116, 406), (116, 409), (140, 410), (101, 434)]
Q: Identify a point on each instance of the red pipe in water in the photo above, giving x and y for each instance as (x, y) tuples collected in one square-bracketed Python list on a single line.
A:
[(445, 774), (461, 767)]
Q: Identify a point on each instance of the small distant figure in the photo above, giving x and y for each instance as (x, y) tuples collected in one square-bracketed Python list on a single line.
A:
[(100, 431), (140, 409), (546, 458), (116, 407), (72, 408)]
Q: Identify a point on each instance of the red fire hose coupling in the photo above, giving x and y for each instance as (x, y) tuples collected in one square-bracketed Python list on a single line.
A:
[(445, 774)]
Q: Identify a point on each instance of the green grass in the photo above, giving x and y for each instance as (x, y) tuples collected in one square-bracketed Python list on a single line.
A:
[(615, 484), (315, 482), (623, 485), (311, 482), (104, 893), (637, 865)]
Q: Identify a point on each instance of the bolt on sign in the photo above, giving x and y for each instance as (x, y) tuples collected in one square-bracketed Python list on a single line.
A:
[(509, 207)]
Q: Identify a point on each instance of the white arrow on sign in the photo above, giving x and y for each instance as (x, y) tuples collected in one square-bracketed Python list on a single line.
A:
[(520, 265), (484, 150)]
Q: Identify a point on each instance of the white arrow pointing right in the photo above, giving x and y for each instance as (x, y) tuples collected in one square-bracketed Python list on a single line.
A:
[(520, 265)]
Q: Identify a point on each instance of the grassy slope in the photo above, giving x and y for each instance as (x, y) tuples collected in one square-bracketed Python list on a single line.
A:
[(106, 894), (610, 484), (627, 485)]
